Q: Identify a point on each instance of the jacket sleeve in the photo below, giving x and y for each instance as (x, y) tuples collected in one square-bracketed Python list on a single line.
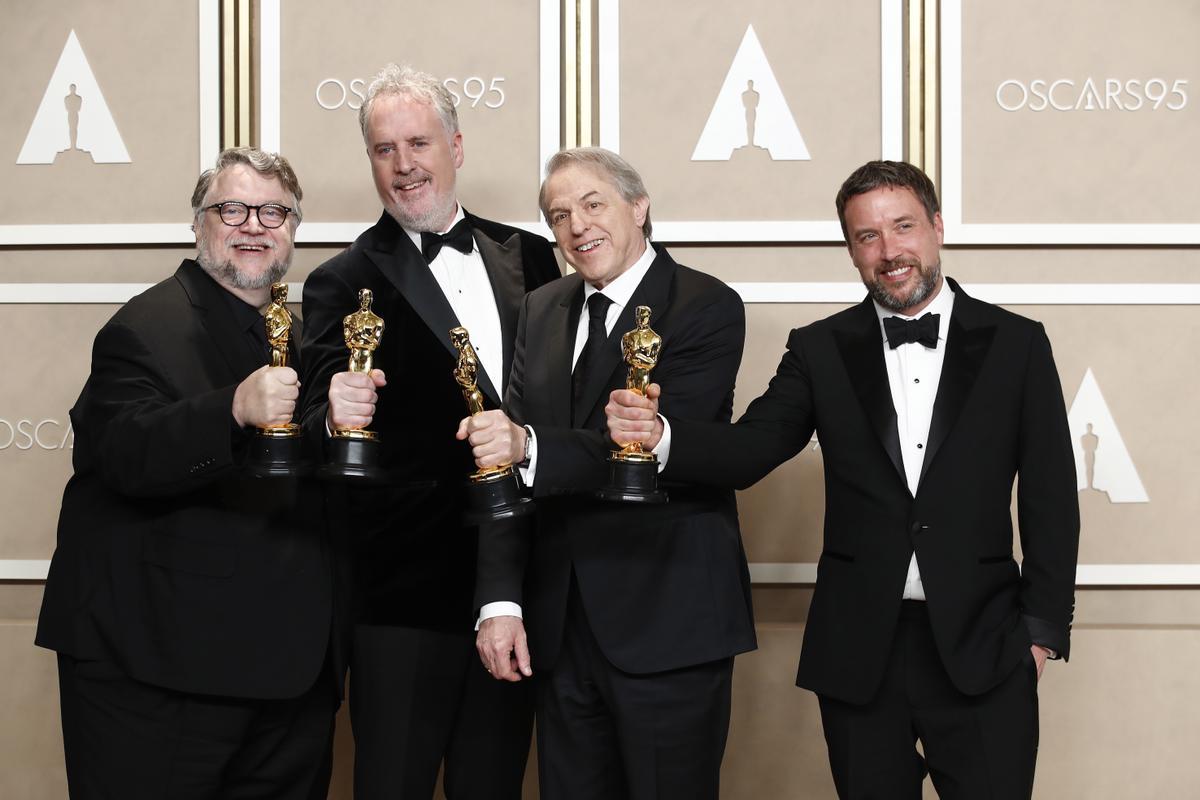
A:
[(1047, 504), (143, 436)]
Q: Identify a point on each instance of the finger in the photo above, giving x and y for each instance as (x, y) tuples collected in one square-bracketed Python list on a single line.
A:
[(463, 424), (378, 378), (521, 650), (653, 391)]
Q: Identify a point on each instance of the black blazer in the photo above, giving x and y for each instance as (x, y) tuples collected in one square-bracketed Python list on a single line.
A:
[(171, 562), (663, 586), (414, 559), (998, 413)]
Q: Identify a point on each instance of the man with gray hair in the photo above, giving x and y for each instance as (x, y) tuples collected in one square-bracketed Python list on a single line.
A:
[(417, 696), (634, 612), (192, 605)]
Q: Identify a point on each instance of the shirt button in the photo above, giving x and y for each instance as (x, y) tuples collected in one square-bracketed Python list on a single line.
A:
[(916, 380), (920, 446)]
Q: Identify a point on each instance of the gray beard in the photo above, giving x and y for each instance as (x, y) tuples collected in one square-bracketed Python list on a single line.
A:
[(226, 274), (429, 221), (880, 294)]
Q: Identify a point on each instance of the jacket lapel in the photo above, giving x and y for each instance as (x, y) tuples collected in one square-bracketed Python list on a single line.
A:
[(505, 271), (967, 346), (394, 254), (861, 348), (652, 292), (229, 360), (561, 324)]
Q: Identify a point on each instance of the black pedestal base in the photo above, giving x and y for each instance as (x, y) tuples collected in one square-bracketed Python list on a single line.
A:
[(355, 459), (632, 482), (277, 455), (495, 496)]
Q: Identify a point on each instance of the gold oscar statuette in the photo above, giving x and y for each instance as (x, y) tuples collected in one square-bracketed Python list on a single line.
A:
[(492, 492), (354, 452), (276, 450), (633, 472)]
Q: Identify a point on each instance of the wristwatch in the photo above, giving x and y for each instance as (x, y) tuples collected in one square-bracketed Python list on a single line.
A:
[(528, 446)]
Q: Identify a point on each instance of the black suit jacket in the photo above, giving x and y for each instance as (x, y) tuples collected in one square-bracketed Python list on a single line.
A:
[(414, 558), (172, 563), (998, 414), (663, 586)]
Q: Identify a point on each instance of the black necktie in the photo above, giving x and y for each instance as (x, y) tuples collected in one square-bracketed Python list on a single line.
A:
[(458, 237), (902, 331), (597, 308)]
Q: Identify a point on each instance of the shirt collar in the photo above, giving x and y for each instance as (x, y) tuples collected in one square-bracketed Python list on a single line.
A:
[(624, 285)]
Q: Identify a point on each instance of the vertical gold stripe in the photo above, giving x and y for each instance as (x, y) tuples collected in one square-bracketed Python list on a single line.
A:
[(914, 63), (244, 72), (570, 68), (228, 73), (585, 71), (930, 95)]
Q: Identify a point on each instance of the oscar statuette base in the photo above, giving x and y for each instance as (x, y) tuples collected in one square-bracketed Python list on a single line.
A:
[(495, 495), (632, 478), (277, 452), (353, 455)]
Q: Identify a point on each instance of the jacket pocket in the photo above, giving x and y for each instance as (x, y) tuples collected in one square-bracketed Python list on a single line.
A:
[(189, 555)]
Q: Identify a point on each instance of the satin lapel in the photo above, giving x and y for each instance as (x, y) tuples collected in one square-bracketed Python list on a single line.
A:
[(217, 318), (561, 325), (401, 263), (507, 276), (602, 377), (966, 348), (862, 352)]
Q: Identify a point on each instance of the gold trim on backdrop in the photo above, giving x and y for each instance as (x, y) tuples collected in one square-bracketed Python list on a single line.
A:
[(237, 73), (570, 71), (585, 69), (929, 92), (913, 54)]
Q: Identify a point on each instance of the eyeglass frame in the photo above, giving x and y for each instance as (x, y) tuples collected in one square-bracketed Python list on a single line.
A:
[(286, 210)]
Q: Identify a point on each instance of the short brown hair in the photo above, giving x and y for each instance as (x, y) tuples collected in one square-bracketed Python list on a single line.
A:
[(876, 174)]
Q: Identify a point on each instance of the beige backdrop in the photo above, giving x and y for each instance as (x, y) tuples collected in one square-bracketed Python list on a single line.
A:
[(1119, 721)]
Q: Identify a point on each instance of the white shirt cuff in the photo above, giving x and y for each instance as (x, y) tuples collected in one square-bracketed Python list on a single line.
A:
[(527, 473), (501, 608), (663, 450)]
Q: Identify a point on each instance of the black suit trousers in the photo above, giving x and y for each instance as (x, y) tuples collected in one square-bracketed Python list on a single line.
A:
[(604, 734), (981, 747), (126, 739), (420, 696)]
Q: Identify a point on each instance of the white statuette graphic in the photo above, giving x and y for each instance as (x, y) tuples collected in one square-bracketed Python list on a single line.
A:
[(1102, 462), (750, 112), (73, 115)]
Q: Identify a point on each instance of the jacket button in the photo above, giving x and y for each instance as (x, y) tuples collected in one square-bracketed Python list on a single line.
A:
[(917, 527)]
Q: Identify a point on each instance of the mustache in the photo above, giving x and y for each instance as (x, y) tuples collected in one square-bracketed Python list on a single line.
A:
[(416, 177), (239, 242)]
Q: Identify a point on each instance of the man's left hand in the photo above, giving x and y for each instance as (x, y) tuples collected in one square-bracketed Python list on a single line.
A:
[(495, 439), (1040, 654)]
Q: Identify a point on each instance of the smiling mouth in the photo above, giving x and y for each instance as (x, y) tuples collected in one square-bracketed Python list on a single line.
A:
[(251, 247), (897, 271), (587, 246), (408, 187)]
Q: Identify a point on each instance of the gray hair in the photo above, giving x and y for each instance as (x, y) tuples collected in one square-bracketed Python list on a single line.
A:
[(403, 80), (622, 174), (269, 165)]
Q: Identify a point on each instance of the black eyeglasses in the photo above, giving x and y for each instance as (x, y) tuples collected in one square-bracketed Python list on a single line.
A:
[(234, 213)]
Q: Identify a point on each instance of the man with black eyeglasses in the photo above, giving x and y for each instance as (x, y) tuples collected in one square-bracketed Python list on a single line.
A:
[(192, 606)]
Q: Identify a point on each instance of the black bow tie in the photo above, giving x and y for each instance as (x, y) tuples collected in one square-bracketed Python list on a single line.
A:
[(458, 237), (902, 331)]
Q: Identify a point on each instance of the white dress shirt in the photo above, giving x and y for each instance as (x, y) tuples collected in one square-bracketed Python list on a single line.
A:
[(465, 283), (914, 372)]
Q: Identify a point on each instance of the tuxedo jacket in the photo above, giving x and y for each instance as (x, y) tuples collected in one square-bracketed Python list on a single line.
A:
[(998, 414), (414, 558), (663, 586), (171, 561)]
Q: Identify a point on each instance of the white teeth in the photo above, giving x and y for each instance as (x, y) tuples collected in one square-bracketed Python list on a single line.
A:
[(583, 248), (410, 186)]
